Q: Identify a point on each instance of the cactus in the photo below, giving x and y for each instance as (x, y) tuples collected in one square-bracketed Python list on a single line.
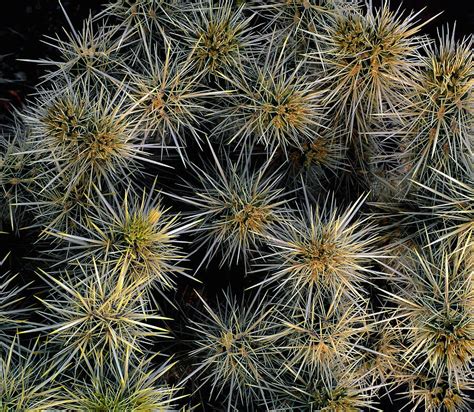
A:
[(123, 388), (25, 381), (439, 131), (135, 234), (236, 207), (433, 297), (232, 348), (321, 252), (276, 105), (94, 318), (217, 36), (369, 60), (241, 206)]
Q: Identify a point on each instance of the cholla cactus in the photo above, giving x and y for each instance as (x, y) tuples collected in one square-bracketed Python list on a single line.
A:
[(321, 252), (312, 393), (17, 174), (434, 394), (10, 297), (381, 363), (325, 339), (218, 37), (451, 205), (232, 345), (92, 54), (236, 207), (434, 298), (301, 13), (441, 121), (319, 161), (26, 383), (145, 17), (122, 387), (135, 233), (253, 104), (86, 137), (57, 205), (276, 105), (94, 318), (169, 97), (297, 18), (369, 61)]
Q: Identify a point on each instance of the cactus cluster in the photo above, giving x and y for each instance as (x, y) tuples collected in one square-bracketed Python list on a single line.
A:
[(241, 206)]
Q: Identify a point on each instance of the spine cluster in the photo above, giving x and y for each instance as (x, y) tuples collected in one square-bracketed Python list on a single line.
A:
[(241, 206)]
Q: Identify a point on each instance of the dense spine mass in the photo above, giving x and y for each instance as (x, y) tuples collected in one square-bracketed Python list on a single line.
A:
[(241, 206)]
